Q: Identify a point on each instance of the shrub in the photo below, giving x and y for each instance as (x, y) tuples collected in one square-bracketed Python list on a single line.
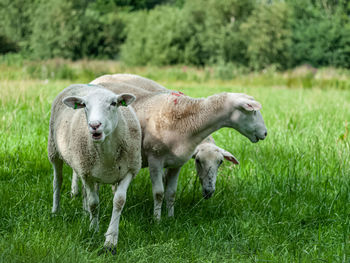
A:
[(196, 34), (58, 31), (159, 37), (73, 29), (133, 50), (320, 36), (267, 35), (231, 33), (7, 45), (217, 26), (15, 24)]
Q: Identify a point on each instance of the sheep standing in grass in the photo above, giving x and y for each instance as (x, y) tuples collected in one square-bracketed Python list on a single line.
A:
[(208, 155), (208, 158), (99, 137), (173, 126)]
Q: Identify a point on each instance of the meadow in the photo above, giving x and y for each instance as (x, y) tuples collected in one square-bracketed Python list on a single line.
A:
[(287, 201)]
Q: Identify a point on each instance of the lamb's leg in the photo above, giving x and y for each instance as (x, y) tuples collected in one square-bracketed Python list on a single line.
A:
[(118, 204), (57, 183), (171, 185), (75, 185), (156, 173), (92, 202), (85, 199)]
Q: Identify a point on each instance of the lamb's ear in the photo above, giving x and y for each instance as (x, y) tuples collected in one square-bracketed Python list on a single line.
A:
[(229, 157), (125, 99), (250, 105), (74, 102)]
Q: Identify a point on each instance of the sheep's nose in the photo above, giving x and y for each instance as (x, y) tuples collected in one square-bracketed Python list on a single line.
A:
[(94, 124), (265, 133)]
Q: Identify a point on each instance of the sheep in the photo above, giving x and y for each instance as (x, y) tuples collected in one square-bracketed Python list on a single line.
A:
[(102, 144), (208, 157), (173, 126)]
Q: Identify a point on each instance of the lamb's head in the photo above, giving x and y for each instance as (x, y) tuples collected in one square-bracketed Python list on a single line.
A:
[(208, 158), (246, 117), (101, 110)]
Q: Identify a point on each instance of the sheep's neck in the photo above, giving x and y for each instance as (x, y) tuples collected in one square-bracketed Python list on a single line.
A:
[(109, 150), (200, 117)]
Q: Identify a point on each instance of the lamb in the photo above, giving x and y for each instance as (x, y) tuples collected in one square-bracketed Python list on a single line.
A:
[(208, 156), (102, 144), (173, 126)]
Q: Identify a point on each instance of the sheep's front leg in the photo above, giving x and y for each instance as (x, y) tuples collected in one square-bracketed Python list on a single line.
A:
[(156, 173), (57, 183), (92, 202), (118, 204), (171, 184), (75, 185)]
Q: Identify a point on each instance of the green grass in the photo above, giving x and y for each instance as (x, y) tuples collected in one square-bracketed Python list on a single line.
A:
[(288, 201)]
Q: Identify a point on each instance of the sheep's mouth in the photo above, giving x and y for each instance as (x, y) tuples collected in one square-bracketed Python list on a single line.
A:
[(96, 135)]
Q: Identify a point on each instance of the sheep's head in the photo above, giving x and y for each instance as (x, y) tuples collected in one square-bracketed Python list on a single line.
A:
[(101, 110), (246, 117), (208, 158)]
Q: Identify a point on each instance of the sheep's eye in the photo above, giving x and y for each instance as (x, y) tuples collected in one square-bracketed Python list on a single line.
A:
[(220, 162), (113, 103)]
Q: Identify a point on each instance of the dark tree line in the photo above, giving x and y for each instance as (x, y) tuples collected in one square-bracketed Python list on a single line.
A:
[(249, 33)]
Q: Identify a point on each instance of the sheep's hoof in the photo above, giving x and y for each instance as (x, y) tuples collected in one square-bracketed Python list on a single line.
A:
[(108, 251), (53, 215), (156, 217), (54, 212)]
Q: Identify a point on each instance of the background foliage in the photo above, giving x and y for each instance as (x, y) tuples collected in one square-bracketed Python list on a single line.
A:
[(250, 33)]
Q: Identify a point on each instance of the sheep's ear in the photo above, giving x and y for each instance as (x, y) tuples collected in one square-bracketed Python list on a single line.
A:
[(229, 157), (250, 105), (125, 99), (74, 102)]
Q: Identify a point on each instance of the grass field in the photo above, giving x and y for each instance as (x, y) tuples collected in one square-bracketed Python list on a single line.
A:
[(288, 201)]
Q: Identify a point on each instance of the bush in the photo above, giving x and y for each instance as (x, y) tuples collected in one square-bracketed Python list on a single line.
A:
[(320, 37), (15, 22), (267, 35), (103, 30), (231, 33), (196, 34), (7, 45), (58, 31), (73, 29), (217, 26), (159, 37)]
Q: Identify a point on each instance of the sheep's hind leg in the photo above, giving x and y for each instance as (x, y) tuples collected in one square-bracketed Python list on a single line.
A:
[(85, 200), (118, 204), (92, 203), (171, 184), (75, 185), (156, 172), (57, 183)]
